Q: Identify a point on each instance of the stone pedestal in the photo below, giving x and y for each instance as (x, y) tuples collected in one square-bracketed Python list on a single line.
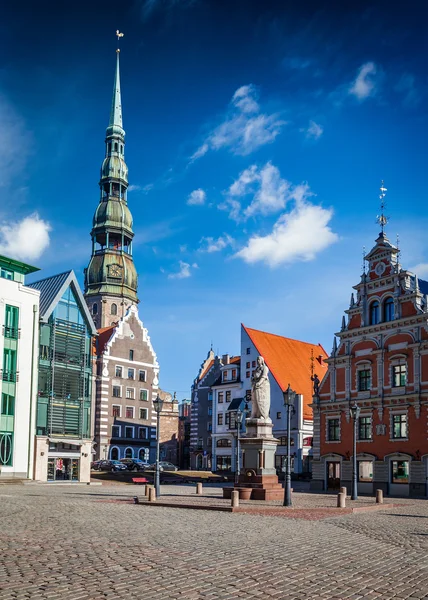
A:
[(257, 479)]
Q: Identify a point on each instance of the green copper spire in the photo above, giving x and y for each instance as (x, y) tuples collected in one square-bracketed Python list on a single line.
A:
[(116, 104)]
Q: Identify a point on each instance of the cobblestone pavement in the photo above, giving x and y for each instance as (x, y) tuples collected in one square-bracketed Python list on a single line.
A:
[(62, 543)]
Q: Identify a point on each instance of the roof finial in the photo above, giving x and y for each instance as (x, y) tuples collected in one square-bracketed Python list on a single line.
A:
[(118, 35), (382, 219), (364, 260)]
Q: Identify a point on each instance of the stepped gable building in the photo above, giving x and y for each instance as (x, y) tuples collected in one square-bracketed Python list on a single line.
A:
[(380, 364), (19, 348), (64, 410), (290, 362), (127, 366)]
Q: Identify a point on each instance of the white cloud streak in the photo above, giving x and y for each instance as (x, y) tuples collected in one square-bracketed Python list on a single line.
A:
[(245, 128), (15, 143), (26, 239), (209, 244), (364, 84), (314, 131), (197, 197), (421, 270), (184, 270)]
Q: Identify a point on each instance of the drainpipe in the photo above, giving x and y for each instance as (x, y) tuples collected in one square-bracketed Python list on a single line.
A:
[(32, 390)]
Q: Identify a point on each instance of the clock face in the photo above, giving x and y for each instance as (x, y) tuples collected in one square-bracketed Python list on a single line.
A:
[(115, 271), (380, 268)]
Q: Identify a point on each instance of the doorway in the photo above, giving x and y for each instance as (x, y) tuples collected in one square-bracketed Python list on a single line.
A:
[(63, 469), (333, 475)]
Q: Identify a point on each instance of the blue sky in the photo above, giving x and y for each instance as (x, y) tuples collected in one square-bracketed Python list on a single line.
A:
[(258, 132)]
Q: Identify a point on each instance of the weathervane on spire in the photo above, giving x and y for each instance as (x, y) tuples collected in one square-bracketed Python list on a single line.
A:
[(364, 260), (118, 35), (382, 219)]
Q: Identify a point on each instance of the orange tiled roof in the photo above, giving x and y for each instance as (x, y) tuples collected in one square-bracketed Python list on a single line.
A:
[(205, 371), (289, 361), (235, 360), (104, 334)]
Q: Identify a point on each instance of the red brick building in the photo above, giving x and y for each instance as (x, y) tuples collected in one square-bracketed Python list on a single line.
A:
[(381, 364)]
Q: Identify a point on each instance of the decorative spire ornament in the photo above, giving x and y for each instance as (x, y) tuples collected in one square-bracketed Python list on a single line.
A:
[(382, 219)]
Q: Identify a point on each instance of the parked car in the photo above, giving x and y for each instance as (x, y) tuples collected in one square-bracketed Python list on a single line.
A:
[(163, 466), (133, 464), (110, 465), (95, 463)]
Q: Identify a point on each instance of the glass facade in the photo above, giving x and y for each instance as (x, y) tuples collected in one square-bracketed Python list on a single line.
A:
[(8, 385)]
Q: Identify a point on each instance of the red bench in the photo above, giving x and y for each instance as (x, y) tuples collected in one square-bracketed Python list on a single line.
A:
[(140, 480)]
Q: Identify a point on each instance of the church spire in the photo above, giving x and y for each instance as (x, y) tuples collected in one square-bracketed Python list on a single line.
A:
[(116, 104)]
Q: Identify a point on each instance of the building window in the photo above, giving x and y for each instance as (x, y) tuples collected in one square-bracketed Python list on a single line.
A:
[(248, 396), (144, 414), (227, 419), (131, 373), (220, 419), (131, 355), (307, 442), (253, 364), (233, 374), (225, 375), (118, 371), (224, 443), (283, 441), (11, 329), (399, 375), (365, 428), (233, 422), (130, 393), (116, 391), (228, 396), (210, 411), (333, 430), (364, 380), (141, 375), (374, 313), (115, 410), (115, 431), (399, 427), (144, 395), (224, 463), (399, 471), (220, 397), (142, 433), (278, 415), (95, 308), (248, 365), (200, 442), (129, 412), (248, 350), (247, 374), (365, 471), (113, 309), (388, 309), (5, 274), (129, 453), (129, 432), (8, 405)]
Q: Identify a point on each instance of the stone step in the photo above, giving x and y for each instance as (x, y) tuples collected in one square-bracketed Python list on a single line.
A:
[(12, 481)]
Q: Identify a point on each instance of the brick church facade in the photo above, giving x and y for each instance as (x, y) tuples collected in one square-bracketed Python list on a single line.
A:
[(380, 363)]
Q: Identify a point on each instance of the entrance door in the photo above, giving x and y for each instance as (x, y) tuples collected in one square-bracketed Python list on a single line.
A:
[(333, 475), (63, 469)]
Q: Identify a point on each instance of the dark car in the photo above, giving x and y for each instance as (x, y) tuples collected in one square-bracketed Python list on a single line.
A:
[(110, 465), (95, 463), (133, 464), (163, 466)]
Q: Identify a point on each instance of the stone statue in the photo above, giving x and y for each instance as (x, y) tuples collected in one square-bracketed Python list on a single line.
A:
[(260, 391), (316, 381)]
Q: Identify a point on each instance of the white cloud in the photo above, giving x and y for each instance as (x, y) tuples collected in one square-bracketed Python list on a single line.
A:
[(15, 143), (210, 244), (197, 197), (135, 188), (184, 272), (296, 236), (244, 128), (364, 84), (26, 239), (421, 270), (314, 130)]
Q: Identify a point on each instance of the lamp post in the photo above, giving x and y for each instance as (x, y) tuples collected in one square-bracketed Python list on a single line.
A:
[(355, 412), (157, 405), (289, 398)]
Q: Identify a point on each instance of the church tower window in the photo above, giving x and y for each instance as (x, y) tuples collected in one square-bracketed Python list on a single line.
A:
[(113, 309), (95, 308)]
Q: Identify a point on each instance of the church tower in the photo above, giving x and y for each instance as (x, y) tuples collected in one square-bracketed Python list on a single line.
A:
[(111, 278)]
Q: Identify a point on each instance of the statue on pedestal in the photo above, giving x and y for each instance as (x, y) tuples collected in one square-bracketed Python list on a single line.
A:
[(260, 391), (316, 381)]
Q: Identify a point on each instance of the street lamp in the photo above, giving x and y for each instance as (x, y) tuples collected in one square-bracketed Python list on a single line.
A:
[(157, 405), (239, 418), (355, 412), (289, 398)]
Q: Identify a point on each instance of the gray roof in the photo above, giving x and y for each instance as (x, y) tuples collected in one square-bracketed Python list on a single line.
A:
[(49, 289), (52, 290), (423, 286), (236, 404)]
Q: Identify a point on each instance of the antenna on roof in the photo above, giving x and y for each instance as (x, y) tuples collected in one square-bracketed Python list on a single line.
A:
[(382, 219)]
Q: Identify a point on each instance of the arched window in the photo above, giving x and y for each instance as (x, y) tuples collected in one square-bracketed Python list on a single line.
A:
[(114, 454), (115, 146), (143, 454), (121, 149), (129, 453), (374, 313), (95, 308), (388, 309), (113, 309), (224, 443)]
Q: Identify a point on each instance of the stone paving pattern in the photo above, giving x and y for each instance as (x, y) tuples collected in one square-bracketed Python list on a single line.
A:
[(63, 543)]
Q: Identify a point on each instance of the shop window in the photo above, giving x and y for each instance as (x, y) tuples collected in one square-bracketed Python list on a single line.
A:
[(365, 428), (364, 380), (143, 454), (144, 395), (224, 463), (142, 433), (388, 310), (129, 433), (374, 313), (399, 375), (399, 471), (365, 471), (115, 431), (114, 454), (333, 430), (399, 426)]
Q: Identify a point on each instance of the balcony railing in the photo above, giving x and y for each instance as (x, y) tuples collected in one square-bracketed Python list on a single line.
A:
[(11, 376), (12, 333)]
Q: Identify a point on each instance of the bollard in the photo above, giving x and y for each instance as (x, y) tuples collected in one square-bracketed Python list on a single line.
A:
[(379, 496), (235, 498), (135, 499), (152, 494), (146, 489), (341, 500), (199, 489), (343, 490)]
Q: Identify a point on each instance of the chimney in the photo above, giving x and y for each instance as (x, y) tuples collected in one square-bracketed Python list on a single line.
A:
[(225, 359)]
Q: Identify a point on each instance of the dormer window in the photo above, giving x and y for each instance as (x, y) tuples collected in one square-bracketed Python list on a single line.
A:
[(225, 375), (374, 312)]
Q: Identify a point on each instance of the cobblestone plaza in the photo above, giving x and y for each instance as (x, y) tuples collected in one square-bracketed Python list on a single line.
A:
[(91, 543)]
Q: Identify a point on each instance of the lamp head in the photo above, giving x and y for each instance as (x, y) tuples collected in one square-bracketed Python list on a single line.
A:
[(355, 410), (289, 396), (158, 404)]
